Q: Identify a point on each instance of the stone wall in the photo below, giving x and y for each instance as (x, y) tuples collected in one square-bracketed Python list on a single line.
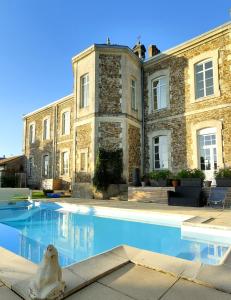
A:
[(110, 135), (84, 141), (53, 146), (134, 149), (110, 83), (182, 113)]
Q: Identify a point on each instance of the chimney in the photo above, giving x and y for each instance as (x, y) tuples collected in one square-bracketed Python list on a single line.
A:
[(153, 50), (139, 50)]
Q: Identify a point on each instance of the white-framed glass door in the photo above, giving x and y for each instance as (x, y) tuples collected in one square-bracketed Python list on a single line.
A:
[(207, 148)]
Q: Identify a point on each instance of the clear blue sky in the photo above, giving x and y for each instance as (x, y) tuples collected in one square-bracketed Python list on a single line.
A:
[(38, 38)]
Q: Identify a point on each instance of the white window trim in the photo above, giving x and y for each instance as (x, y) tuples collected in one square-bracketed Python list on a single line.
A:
[(80, 93), (42, 164), (207, 126), (85, 151), (152, 135), (30, 174), (132, 78), (34, 133), (49, 128), (61, 121), (209, 55), (151, 78), (61, 163)]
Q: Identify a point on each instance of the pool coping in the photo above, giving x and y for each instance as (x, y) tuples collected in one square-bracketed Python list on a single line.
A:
[(16, 271)]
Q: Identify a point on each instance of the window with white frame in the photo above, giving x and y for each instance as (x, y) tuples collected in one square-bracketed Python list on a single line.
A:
[(159, 93), (204, 82), (46, 129), (65, 122), (32, 133), (65, 163), (84, 91), (133, 94), (160, 152), (30, 166), (45, 165)]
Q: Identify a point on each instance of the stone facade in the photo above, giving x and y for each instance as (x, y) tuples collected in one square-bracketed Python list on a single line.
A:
[(110, 84), (183, 115), (134, 149), (107, 119), (110, 135), (53, 146)]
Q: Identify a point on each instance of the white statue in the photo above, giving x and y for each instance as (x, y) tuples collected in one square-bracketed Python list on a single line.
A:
[(47, 283)]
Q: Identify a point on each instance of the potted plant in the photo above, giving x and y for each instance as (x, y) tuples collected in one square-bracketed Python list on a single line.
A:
[(145, 180), (223, 177), (174, 180), (159, 178), (191, 177)]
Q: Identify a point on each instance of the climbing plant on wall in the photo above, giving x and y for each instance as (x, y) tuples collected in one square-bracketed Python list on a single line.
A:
[(109, 168)]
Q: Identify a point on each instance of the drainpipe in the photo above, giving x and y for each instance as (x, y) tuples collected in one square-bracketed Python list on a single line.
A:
[(54, 141), (142, 122)]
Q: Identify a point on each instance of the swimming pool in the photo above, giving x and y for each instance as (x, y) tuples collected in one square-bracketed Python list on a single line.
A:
[(26, 229)]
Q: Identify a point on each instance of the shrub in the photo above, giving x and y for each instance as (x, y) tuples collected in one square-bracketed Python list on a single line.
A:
[(161, 174), (109, 169), (9, 180), (223, 173), (191, 173)]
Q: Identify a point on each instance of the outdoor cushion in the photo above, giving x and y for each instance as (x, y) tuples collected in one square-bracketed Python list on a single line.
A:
[(186, 196)]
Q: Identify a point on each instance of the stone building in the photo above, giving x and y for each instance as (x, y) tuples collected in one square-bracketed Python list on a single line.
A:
[(170, 111)]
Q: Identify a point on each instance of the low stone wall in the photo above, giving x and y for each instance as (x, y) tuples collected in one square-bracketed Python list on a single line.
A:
[(149, 194), (82, 190), (9, 193), (87, 191)]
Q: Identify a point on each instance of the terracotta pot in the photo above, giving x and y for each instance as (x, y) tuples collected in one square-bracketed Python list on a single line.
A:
[(175, 182)]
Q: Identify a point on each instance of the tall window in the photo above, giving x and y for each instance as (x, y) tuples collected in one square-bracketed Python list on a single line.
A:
[(160, 152), (84, 91), (30, 166), (204, 79), (32, 133), (133, 94), (65, 163), (83, 161), (46, 165), (208, 150), (159, 93), (46, 129), (66, 122)]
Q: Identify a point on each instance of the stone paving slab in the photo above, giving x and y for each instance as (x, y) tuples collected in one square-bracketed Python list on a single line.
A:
[(7, 294), (138, 282), (98, 291), (184, 289), (14, 268)]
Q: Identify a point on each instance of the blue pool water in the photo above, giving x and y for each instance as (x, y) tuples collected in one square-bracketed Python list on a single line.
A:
[(27, 230)]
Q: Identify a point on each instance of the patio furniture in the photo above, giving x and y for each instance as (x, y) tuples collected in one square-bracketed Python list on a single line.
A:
[(217, 196), (186, 196)]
